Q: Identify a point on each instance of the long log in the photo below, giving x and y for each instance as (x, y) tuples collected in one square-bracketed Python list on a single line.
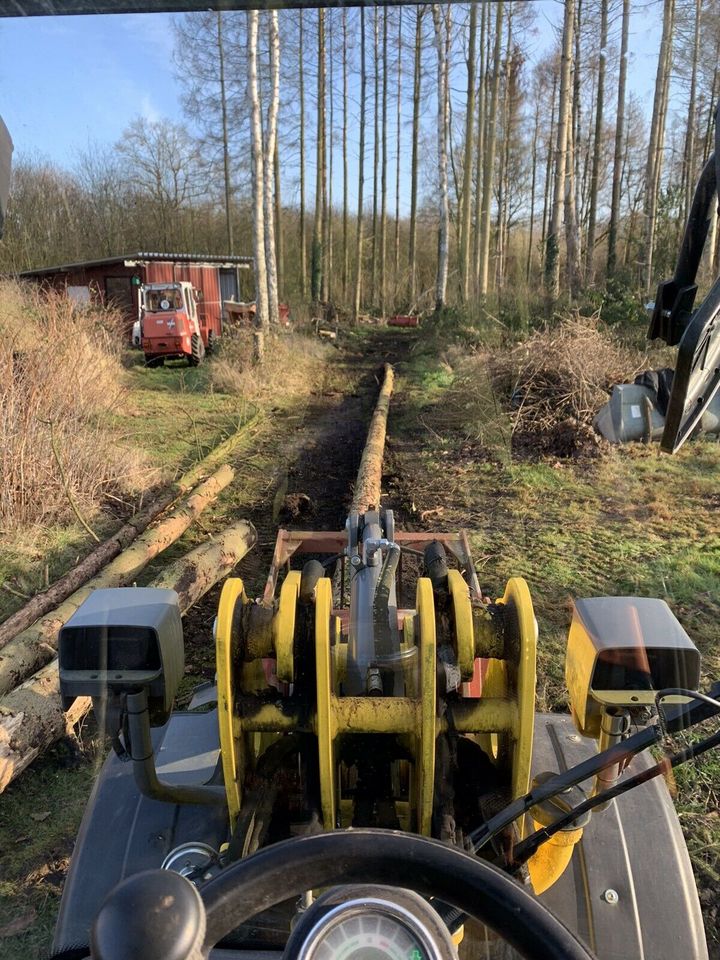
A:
[(48, 599), (36, 645), (369, 478), (32, 718)]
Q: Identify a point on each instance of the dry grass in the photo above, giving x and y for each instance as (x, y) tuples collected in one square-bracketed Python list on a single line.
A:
[(60, 372), (292, 361)]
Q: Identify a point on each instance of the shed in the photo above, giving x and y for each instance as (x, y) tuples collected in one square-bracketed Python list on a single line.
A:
[(117, 280)]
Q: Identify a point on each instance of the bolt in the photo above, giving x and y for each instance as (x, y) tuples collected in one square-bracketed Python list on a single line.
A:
[(355, 560), (611, 896), (573, 738)]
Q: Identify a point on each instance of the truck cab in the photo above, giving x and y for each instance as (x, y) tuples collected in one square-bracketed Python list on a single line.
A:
[(169, 327)]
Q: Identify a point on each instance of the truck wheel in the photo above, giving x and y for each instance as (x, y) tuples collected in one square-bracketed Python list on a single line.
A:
[(212, 342), (197, 348), (154, 361)]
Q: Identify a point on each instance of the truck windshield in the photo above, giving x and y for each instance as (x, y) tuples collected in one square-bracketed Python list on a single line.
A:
[(166, 298)]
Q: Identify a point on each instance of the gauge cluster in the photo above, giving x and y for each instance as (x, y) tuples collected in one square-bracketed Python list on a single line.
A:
[(370, 923)]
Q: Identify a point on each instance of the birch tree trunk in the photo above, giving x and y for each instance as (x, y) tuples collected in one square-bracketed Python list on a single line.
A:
[(226, 148), (346, 255), (376, 154), (619, 143), (572, 239), (316, 278), (552, 256), (279, 236), (329, 155), (533, 180), (653, 169), (396, 260), (268, 168), (481, 99), (258, 191), (442, 127), (489, 155), (689, 152), (595, 175), (361, 173), (548, 173), (417, 82), (465, 217), (384, 168), (301, 78)]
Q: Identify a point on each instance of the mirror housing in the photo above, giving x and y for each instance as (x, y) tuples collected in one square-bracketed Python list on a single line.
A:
[(121, 641), (621, 651)]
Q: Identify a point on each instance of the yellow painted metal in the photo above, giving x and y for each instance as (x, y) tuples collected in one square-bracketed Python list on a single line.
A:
[(325, 719), (462, 609), (495, 681), (230, 744), (522, 677), (283, 627), (550, 861), (425, 755)]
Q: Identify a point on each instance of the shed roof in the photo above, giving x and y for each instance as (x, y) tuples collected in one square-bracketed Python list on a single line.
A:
[(133, 259)]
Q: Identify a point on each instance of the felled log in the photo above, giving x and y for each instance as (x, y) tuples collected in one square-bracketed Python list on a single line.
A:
[(369, 478), (36, 645), (31, 716), (46, 601)]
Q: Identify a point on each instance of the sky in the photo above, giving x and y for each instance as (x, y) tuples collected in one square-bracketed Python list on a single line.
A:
[(66, 82)]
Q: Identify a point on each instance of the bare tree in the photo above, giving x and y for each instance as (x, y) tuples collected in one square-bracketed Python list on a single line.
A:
[(619, 142), (301, 80), (441, 24), (489, 155), (258, 191), (467, 163), (656, 145), (552, 256), (361, 172), (417, 85), (318, 240), (268, 168), (597, 143)]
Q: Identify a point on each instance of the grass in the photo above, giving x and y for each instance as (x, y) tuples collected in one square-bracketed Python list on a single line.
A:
[(631, 521)]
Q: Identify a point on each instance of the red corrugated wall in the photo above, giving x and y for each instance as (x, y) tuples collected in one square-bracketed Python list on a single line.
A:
[(206, 279)]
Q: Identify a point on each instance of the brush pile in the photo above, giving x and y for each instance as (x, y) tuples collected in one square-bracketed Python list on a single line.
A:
[(557, 379)]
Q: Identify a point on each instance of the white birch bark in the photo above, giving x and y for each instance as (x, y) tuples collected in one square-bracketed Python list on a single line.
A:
[(261, 289), (268, 172), (442, 131)]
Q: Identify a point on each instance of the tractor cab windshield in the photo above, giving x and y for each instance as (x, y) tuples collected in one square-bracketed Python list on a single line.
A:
[(161, 299)]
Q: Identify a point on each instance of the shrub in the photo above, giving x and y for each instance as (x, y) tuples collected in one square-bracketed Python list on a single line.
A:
[(60, 372)]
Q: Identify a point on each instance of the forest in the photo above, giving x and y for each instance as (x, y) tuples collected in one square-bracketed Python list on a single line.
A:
[(405, 159)]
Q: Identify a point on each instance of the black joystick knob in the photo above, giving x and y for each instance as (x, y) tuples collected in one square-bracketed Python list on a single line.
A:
[(154, 915)]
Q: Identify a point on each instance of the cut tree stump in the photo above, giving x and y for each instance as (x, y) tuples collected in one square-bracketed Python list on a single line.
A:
[(36, 645), (31, 716)]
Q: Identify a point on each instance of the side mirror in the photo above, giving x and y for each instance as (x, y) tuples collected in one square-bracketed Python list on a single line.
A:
[(621, 652), (124, 640)]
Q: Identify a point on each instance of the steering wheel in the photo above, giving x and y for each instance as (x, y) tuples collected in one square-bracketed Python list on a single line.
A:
[(161, 915)]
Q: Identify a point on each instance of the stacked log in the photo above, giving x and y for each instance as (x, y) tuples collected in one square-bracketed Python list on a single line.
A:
[(49, 599), (35, 645), (31, 716)]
